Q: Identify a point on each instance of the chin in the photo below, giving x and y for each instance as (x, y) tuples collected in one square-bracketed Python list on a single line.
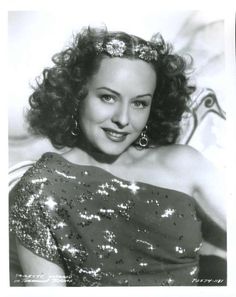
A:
[(112, 152)]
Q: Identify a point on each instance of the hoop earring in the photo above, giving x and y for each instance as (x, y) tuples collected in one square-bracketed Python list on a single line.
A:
[(144, 139), (75, 131)]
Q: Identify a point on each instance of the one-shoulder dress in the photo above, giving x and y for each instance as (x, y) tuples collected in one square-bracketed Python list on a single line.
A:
[(104, 230)]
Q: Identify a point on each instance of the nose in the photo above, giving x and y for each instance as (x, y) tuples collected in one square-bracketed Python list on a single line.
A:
[(121, 116)]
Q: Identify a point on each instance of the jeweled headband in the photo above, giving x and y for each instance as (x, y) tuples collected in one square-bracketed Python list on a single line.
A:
[(117, 48)]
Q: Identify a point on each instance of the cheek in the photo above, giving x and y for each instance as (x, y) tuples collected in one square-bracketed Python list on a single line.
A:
[(139, 120), (92, 111)]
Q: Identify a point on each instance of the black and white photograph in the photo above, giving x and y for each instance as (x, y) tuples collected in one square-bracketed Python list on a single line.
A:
[(117, 140)]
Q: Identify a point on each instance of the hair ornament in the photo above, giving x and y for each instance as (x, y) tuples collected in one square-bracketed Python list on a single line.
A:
[(160, 44), (117, 48), (114, 47), (99, 46), (146, 52)]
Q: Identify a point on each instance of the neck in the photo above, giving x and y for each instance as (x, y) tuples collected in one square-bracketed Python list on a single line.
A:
[(94, 156)]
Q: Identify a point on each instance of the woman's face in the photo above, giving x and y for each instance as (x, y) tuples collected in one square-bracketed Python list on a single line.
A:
[(117, 106)]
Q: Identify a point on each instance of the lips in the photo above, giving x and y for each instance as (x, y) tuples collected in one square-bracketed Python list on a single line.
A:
[(115, 135)]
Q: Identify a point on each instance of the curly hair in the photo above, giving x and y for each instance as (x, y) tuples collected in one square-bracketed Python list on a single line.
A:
[(62, 87)]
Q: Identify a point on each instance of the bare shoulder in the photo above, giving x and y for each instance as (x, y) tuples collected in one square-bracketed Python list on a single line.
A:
[(178, 156), (185, 162), (187, 170)]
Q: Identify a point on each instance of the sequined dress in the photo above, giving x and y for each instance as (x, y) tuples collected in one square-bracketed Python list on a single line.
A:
[(104, 230)]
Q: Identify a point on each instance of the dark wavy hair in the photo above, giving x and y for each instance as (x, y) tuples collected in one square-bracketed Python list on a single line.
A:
[(57, 95)]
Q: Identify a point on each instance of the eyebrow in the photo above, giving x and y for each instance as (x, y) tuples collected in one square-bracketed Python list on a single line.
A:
[(118, 94)]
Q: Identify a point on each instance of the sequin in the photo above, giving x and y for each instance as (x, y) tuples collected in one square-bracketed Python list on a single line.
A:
[(110, 236), (107, 213), (170, 281), (30, 201), (70, 249), (179, 249), (84, 173), (102, 192), (168, 212), (142, 230), (50, 203), (108, 248), (153, 201), (124, 209), (65, 175), (132, 186), (90, 217), (39, 180), (197, 249), (59, 225), (143, 264), (148, 244), (94, 273), (103, 230)]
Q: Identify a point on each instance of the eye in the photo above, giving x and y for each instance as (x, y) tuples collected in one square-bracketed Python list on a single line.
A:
[(140, 104), (108, 98)]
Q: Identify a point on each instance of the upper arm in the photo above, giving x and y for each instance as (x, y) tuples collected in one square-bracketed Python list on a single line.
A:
[(206, 185), (204, 180), (39, 271), (209, 191)]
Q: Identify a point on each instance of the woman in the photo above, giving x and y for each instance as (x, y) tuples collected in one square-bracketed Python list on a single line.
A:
[(122, 207)]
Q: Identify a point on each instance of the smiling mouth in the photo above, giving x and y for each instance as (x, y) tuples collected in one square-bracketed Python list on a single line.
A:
[(115, 135)]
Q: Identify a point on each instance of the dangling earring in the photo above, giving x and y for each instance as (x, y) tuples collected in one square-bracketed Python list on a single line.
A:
[(143, 139), (75, 131)]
